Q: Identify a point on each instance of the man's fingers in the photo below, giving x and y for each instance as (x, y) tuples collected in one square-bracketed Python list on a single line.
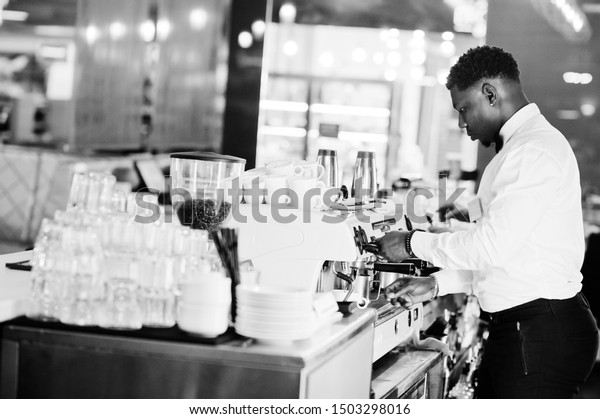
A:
[(402, 301), (400, 292), (398, 285)]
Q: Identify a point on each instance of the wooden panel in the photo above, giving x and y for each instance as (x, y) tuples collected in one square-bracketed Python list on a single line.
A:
[(191, 75), (182, 73), (108, 86)]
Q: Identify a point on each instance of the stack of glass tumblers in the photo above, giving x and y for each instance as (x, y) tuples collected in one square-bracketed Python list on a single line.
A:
[(108, 261)]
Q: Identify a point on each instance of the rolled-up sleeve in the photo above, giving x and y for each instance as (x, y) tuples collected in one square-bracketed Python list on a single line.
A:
[(523, 189), (454, 281)]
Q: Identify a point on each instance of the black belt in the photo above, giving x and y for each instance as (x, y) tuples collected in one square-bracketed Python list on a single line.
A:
[(536, 307)]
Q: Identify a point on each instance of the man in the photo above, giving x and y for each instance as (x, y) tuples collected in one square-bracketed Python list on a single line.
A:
[(523, 257)]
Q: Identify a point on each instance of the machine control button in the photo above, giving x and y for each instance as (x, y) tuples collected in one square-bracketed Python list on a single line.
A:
[(416, 314), (409, 319), (396, 327)]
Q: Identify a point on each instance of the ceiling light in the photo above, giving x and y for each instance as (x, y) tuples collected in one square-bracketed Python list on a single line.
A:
[(326, 59), (572, 77), (287, 13), (448, 48), (58, 31), (198, 19), (290, 48), (14, 15), (349, 110), (394, 32), (587, 109), (258, 28), (418, 34), (282, 105), (245, 39), (359, 55), (91, 34), (448, 36), (567, 114), (163, 29), (116, 30), (566, 17), (283, 131), (147, 31)]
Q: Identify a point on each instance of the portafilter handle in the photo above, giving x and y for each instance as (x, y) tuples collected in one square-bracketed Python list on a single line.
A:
[(419, 263), (395, 267)]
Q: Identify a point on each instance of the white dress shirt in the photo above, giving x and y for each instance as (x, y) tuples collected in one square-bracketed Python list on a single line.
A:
[(529, 242)]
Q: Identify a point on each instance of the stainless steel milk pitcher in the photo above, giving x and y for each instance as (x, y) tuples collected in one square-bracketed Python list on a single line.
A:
[(364, 177)]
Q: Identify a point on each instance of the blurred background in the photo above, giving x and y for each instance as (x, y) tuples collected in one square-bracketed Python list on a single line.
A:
[(90, 82), (116, 86)]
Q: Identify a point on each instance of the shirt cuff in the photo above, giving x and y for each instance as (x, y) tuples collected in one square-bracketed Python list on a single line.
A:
[(454, 281), (420, 244)]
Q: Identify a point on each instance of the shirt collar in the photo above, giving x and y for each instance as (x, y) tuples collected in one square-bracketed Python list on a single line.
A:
[(519, 118)]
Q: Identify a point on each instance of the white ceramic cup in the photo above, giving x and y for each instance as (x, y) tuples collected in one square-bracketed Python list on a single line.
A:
[(280, 167), (208, 320), (276, 186), (307, 190), (309, 169), (208, 288)]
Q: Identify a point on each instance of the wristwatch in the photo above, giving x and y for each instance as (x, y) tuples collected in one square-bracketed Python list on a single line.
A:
[(407, 243)]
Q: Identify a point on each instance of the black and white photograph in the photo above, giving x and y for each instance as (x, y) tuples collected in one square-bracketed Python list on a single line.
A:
[(280, 207)]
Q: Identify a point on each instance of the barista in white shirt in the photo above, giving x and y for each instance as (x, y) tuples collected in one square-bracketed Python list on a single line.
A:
[(523, 257)]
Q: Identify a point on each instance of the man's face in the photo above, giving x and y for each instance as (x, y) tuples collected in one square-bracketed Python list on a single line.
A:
[(475, 114)]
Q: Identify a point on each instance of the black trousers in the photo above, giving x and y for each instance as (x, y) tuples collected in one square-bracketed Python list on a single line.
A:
[(541, 349)]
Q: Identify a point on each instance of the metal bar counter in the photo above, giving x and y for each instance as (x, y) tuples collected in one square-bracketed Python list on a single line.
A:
[(43, 361), (408, 373), (51, 360)]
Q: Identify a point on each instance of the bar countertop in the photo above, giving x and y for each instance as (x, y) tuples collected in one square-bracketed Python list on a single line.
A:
[(14, 293), (14, 286)]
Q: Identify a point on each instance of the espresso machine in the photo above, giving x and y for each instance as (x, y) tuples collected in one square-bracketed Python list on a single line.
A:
[(331, 251)]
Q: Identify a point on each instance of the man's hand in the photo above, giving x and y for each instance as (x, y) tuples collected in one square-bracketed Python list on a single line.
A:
[(392, 246), (409, 290)]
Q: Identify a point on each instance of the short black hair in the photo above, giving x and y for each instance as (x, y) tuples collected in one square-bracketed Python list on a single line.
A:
[(482, 62)]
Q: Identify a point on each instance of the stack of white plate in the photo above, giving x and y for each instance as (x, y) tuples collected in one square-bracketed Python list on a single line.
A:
[(274, 314)]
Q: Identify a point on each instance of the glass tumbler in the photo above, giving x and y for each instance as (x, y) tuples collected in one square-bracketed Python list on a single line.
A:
[(120, 308), (45, 276), (157, 291)]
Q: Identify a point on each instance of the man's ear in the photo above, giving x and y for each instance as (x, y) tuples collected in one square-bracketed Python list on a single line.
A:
[(490, 93)]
